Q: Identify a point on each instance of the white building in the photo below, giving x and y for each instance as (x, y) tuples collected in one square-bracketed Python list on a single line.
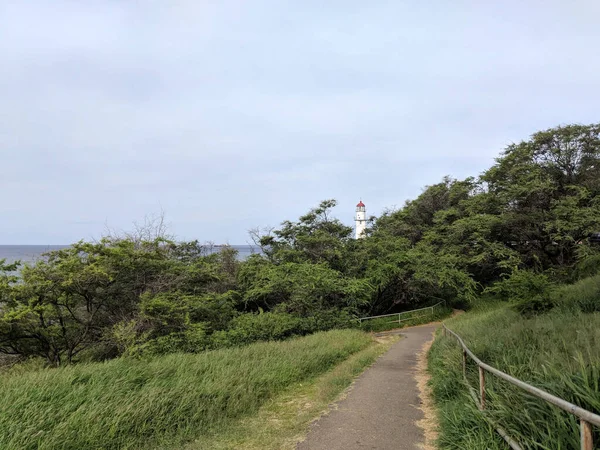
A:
[(360, 220)]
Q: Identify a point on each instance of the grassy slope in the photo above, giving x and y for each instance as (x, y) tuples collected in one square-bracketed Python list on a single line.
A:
[(558, 351), (161, 402), (285, 419)]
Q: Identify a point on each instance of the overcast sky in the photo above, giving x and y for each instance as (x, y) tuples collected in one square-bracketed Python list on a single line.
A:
[(233, 114)]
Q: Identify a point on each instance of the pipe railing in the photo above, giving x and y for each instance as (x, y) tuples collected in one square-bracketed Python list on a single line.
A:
[(402, 313), (586, 418)]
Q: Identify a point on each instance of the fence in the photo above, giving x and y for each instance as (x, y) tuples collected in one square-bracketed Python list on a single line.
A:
[(400, 319), (586, 418)]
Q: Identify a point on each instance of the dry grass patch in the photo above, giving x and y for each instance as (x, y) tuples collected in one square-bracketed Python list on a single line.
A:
[(429, 423)]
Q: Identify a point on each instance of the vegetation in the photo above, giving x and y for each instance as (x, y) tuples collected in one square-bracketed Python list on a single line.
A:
[(523, 225), (520, 234), (557, 349), (408, 319), (283, 420), (162, 401)]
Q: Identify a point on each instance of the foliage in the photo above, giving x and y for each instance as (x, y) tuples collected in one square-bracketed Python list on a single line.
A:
[(515, 232), (68, 303), (159, 402), (582, 296), (267, 326), (588, 261), (557, 351), (303, 288), (279, 422), (533, 209), (521, 285), (316, 238), (407, 320)]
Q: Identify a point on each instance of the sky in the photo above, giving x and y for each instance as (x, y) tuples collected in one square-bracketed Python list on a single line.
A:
[(234, 114)]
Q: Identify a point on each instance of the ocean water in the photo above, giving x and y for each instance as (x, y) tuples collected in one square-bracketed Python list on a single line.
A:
[(31, 253), (26, 253)]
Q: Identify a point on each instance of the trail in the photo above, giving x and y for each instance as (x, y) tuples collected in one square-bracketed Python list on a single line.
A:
[(382, 409)]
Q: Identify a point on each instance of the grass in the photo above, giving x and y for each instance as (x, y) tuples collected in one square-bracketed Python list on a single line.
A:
[(408, 320), (284, 420), (169, 401), (558, 351)]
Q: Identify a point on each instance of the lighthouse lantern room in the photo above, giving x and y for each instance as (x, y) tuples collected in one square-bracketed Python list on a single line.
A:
[(360, 220)]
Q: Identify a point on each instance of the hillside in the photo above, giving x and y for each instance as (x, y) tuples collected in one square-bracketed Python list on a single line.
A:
[(167, 401), (141, 338), (556, 349)]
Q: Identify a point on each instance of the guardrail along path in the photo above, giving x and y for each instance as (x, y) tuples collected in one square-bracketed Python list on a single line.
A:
[(586, 418)]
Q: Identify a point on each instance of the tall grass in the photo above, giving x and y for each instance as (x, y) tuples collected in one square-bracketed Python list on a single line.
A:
[(558, 351), (161, 402), (285, 419)]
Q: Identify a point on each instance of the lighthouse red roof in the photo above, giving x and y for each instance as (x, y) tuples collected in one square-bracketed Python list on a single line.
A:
[(360, 204)]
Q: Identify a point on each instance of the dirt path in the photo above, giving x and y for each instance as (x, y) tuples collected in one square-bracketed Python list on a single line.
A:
[(382, 410)]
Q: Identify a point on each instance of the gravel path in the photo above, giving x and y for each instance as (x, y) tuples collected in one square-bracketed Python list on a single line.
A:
[(382, 408)]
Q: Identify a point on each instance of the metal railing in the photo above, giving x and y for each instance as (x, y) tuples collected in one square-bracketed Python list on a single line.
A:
[(586, 418), (400, 314)]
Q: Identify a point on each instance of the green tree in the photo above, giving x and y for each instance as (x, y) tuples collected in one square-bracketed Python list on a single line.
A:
[(303, 289), (316, 237)]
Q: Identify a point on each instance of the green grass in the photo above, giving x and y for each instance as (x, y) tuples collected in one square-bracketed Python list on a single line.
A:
[(558, 351), (408, 320), (162, 402), (582, 296), (284, 420)]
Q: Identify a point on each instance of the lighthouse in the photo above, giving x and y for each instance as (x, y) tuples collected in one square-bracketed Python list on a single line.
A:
[(361, 220)]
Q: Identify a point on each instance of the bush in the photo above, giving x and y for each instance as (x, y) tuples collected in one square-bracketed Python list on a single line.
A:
[(192, 340), (248, 328), (328, 319), (521, 285), (582, 296), (588, 262), (537, 305)]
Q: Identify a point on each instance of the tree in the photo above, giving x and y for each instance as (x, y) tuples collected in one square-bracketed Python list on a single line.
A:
[(74, 300), (302, 289), (537, 183), (418, 215), (316, 237)]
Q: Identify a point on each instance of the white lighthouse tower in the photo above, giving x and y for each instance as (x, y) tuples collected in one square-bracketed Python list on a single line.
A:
[(361, 220)]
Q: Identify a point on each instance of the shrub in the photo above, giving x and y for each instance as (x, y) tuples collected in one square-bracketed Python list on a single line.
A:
[(582, 296), (536, 305), (192, 340), (521, 285), (328, 319), (248, 328)]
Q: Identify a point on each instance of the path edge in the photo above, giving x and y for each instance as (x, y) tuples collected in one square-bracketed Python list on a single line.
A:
[(429, 423)]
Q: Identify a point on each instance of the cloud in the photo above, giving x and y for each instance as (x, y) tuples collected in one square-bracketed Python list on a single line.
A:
[(232, 114)]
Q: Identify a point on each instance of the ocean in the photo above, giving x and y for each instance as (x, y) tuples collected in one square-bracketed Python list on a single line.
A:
[(31, 253)]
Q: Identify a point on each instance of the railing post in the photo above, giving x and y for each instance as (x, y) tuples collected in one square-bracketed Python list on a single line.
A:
[(586, 418), (399, 322), (482, 387), (444, 331), (586, 435)]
